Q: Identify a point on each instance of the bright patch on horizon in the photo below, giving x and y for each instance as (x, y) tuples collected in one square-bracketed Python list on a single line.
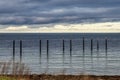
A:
[(106, 27)]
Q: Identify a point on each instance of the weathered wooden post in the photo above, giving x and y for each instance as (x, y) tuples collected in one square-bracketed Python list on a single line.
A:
[(63, 47), (47, 50), (70, 53), (91, 53), (97, 45), (70, 48), (91, 44), (106, 56), (63, 44), (83, 55), (40, 49), (20, 50), (106, 46), (83, 45), (13, 57), (47, 45), (13, 50)]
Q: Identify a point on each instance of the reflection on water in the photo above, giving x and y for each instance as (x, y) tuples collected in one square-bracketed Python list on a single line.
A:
[(68, 56)]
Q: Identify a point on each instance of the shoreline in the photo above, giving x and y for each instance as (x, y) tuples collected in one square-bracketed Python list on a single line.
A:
[(63, 77)]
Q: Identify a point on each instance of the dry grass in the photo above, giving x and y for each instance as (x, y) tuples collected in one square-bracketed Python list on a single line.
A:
[(10, 70), (13, 68), (18, 71), (71, 77), (62, 77)]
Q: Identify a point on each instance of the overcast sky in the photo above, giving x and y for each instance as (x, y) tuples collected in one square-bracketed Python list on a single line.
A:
[(52, 12)]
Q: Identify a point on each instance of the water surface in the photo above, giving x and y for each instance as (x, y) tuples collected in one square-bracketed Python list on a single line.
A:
[(94, 59)]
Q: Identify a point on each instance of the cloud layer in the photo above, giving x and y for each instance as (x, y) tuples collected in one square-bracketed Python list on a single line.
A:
[(23, 12), (69, 28)]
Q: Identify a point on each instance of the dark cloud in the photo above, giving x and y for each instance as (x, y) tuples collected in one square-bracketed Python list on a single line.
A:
[(18, 12)]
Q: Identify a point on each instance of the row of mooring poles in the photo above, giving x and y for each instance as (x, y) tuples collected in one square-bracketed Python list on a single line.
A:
[(106, 47), (91, 49), (22, 46), (20, 50), (63, 45)]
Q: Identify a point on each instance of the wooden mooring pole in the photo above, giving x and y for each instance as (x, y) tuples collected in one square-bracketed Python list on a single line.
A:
[(97, 45), (13, 50), (83, 55), (20, 50), (40, 49), (106, 55), (106, 46), (83, 44), (63, 49), (47, 50), (91, 46), (70, 53), (70, 48)]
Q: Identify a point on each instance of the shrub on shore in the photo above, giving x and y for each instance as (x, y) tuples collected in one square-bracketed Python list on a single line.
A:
[(7, 78), (13, 71)]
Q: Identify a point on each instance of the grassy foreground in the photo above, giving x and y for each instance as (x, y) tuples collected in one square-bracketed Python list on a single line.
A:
[(58, 77), (19, 71)]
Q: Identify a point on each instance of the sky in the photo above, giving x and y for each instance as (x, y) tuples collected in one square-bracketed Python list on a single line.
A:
[(59, 16)]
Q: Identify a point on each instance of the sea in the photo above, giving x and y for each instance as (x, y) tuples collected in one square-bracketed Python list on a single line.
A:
[(63, 53)]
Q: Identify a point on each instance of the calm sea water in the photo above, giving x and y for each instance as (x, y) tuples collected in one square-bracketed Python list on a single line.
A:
[(73, 60)]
